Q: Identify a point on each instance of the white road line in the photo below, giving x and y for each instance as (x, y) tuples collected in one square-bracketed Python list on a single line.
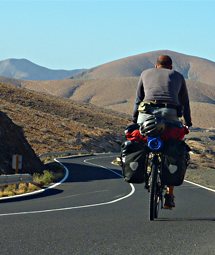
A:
[(86, 161), (76, 207), (201, 186), (71, 208)]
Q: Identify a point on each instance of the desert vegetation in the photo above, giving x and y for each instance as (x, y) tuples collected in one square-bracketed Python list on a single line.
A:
[(53, 173)]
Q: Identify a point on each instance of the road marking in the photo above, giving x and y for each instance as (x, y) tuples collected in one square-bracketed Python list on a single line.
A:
[(85, 206), (76, 207), (86, 161), (203, 187)]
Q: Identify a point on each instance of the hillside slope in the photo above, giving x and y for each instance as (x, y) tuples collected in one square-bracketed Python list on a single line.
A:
[(51, 123), (118, 94)]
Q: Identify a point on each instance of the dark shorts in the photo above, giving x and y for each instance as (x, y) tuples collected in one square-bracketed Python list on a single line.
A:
[(168, 114)]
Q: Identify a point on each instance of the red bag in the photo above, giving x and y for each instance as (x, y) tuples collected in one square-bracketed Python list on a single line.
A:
[(132, 133), (135, 136), (174, 133)]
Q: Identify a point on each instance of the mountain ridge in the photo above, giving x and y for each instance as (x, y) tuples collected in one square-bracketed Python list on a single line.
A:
[(27, 70)]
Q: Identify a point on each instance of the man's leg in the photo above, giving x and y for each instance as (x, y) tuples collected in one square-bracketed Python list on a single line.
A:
[(170, 190), (169, 197)]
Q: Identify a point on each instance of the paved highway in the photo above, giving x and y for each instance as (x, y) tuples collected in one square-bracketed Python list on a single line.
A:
[(94, 211)]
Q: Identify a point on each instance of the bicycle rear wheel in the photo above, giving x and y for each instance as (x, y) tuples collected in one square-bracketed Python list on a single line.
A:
[(154, 198)]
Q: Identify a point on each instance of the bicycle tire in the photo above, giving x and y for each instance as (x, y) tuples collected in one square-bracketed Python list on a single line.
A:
[(153, 195)]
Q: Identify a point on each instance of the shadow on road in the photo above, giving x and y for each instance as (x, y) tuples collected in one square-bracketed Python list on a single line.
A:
[(46, 193), (86, 173)]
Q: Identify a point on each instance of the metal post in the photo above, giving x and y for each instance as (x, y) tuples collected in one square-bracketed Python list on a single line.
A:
[(17, 164)]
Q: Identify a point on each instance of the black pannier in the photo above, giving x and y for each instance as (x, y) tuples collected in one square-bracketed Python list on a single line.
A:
[(175, 162), (133, 157)]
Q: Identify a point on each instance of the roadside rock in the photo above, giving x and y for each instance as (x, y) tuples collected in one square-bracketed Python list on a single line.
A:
[(12, 142)]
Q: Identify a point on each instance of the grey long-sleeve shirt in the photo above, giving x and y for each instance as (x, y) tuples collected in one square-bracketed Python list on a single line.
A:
[(164, 85)]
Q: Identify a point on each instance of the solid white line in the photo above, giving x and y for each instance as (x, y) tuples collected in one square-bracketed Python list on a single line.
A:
[(74, 207), (201, 186), (77, 207), (86, 161)]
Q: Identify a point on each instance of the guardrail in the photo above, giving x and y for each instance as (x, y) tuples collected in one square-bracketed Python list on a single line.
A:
[(27, 178), (15, 179)]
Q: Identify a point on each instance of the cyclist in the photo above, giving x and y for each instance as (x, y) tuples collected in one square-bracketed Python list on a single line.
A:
[(162, 91)]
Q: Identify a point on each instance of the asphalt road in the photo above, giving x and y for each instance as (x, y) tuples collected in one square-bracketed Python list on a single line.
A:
[(94, 211)]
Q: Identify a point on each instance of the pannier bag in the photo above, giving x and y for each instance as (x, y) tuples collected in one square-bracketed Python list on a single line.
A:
[(175, 162), (133, 157)]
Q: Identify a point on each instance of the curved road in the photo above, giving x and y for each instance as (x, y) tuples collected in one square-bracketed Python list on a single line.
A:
[(94, 211)]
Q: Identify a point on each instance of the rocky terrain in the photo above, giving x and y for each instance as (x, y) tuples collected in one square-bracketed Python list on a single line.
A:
[(201, 168)]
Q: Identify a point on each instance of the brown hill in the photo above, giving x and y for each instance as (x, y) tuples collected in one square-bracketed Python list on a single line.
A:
[(193, 68), (13, 142)]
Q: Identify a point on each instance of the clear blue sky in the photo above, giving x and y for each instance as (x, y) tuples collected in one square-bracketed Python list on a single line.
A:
[(83, 34)]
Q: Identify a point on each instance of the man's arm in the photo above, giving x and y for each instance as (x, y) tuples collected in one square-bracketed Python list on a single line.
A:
[(139, 98), (184, 100)]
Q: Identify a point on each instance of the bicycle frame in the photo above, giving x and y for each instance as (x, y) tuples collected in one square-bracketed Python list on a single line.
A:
[(154, 184)]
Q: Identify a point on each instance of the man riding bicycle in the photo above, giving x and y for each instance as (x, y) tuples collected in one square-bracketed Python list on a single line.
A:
[(162, 92)]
